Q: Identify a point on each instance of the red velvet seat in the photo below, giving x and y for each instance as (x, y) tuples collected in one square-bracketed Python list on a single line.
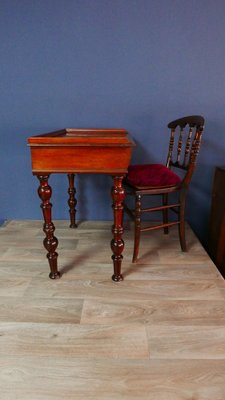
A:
[(157, 179), (151, 175)]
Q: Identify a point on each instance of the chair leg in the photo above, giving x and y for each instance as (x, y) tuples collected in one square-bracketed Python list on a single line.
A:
[(165, 212), (137, 230), (181, 225)]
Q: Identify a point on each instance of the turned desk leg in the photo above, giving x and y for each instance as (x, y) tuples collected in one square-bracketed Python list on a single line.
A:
[(72, 202), (117, 243), (50, 242)]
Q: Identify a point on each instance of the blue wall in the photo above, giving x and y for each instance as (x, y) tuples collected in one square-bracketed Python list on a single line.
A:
[(135, 64)]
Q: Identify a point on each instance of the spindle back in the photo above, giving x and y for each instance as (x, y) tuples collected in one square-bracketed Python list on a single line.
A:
[(184, 144)]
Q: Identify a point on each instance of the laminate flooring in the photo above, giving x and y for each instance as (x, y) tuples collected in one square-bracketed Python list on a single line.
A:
[(158, 335)]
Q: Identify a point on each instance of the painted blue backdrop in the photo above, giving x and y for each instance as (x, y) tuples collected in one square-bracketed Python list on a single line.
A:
[(134, 64)]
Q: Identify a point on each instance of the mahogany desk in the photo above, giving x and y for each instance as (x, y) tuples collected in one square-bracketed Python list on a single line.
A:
[(72, 151)]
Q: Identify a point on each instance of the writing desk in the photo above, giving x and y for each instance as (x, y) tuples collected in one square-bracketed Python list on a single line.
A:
[(72, 151)]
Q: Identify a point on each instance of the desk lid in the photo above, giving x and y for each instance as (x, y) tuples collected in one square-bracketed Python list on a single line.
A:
[(84, 136)]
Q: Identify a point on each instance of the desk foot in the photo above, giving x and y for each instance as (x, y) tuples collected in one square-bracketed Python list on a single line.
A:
[(117, 261), (72, 202), (117, 243), (117, 278), (54, 275), (73, 226)]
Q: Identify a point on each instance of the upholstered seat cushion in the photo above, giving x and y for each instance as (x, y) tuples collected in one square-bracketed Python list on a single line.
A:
[(151, 175)]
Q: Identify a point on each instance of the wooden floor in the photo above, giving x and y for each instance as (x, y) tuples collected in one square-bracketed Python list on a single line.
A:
[(158, 335)]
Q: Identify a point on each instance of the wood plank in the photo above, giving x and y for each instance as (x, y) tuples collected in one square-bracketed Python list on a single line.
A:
[(186, 342), (42, 310), (84, 341), (67, 287), (13, 286), (50, 378), (167, 312)]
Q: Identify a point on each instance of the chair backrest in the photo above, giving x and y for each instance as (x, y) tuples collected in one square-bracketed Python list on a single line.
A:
[(184, 144)]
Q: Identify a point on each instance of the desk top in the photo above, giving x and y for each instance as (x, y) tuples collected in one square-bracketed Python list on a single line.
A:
[(81, 150), (77, 137)]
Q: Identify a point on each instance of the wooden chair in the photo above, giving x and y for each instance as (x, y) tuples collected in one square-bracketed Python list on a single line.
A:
[(156, 179)]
